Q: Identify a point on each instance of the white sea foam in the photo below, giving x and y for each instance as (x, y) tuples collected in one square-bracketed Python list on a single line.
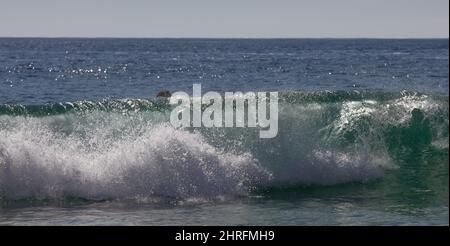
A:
[(97, 154), (161, 162)]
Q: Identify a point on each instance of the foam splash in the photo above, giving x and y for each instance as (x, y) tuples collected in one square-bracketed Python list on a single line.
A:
[(97, 152), (162, 162)]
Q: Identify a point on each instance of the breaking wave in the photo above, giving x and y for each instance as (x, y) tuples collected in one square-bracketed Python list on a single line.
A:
[(127, 149)]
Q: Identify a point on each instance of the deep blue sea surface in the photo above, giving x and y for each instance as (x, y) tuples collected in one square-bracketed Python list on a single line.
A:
[(37, 71), (363, 133)]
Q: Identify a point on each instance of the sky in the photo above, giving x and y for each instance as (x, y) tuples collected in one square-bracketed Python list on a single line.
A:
[(225, 18)]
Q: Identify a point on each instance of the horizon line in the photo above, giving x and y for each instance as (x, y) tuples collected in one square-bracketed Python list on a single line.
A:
[(187, 37)]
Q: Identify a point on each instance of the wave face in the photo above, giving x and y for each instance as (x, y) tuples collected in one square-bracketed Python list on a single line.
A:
[(127, 149)]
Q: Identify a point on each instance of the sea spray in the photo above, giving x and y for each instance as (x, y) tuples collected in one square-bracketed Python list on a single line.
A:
[(126, 148)]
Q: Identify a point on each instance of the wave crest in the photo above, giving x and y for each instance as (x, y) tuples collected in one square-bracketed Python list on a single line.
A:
[(99, 150)]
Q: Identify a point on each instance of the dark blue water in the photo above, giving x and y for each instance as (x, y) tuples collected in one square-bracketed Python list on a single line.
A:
[(37, 71), (363, 133)]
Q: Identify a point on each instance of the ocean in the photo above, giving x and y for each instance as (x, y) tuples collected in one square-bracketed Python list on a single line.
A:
[(363, 133)]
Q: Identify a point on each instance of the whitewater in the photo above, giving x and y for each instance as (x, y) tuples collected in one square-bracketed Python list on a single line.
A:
[(126, 149)]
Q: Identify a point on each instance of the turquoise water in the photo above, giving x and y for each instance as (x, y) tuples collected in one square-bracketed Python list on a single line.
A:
[(363, 133)]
